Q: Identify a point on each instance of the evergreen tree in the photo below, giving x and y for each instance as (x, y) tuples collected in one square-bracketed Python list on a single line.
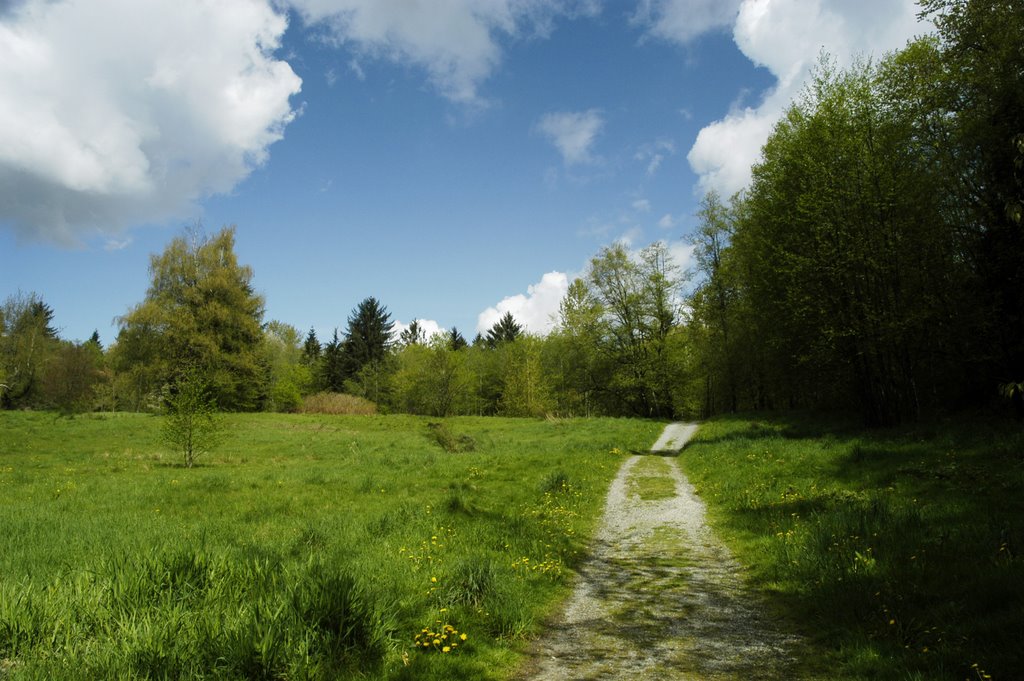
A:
[(456, 341), (311, 349), (412, 335), (505, 330), (367, 338), (332, 366)]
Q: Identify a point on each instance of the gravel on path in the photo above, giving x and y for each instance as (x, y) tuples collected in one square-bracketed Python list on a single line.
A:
[(660, 597)]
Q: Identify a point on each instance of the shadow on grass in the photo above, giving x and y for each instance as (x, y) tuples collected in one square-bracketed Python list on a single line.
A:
[(905, 543)]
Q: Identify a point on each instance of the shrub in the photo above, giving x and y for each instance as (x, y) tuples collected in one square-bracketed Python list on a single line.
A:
[(338, 404), (191, 425), (449, 441)]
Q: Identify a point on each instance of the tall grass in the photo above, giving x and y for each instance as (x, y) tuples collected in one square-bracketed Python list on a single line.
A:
[(901, 551), (306, 547), (338, 404)]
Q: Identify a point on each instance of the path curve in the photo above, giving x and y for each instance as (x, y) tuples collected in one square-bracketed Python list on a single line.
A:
[(660, 597)]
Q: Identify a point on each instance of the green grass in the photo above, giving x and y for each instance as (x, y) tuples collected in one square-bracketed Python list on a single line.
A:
[(305, 547), (900, 551)]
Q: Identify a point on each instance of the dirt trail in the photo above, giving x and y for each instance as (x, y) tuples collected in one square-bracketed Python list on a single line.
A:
[(660, 597)]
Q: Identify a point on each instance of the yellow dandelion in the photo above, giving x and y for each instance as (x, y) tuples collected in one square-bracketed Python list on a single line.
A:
[(433, 580), (446, 649), (462, 636)]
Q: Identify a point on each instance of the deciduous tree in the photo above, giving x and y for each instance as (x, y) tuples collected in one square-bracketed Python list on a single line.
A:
[(200, 310)]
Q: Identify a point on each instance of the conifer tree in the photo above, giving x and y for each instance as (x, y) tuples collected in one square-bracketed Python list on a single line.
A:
[(505, 330), (367, 338)]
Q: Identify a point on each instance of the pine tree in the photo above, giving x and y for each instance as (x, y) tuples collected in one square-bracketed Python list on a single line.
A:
[(456, 340), (332, 366), (311, 349), (367, 338), (505, 330), (412, 335)]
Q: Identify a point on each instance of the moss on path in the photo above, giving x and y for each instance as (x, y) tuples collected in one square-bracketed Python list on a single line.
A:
[(660, 597)]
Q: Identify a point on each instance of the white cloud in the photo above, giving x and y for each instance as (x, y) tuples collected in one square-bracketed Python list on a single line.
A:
[(457, 42), (114, 112), (117, 244), (572, 133), (642, 206), (654, 154), (684, 20), (667, 221), (536, 311), (787, 37)]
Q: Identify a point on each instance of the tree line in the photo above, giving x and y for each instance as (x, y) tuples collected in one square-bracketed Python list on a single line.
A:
[(875, 263), (612, 352)]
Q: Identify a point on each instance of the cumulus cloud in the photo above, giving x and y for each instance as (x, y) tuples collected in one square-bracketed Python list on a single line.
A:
[(536, 311), (114, 112), (457, 42), (642, 206), (572, 133), (787, 37), (684, 20), (667, 221)]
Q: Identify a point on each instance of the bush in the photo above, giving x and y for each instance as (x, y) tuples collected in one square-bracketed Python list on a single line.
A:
[(449, 441), (337, 403)]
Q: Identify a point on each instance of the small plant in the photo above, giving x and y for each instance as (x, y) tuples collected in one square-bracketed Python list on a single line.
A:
[(190, 424), (449, 441)]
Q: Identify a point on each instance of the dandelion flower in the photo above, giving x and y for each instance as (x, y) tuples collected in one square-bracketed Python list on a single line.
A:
[(446, 649), (462, 636)]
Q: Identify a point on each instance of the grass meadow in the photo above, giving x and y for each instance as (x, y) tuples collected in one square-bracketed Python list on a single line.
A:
[(304, 547), (900, 552)]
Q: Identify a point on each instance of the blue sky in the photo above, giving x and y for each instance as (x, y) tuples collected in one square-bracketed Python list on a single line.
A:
[(454, 159)]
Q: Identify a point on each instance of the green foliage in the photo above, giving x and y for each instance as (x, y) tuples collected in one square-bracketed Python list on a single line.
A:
[(191, 425), (525, 389), (305, 547), (27, 340), (638, 301), (72, 377), (901, 550), (433, 379), (835, 278), (288, 375), (200, 309)]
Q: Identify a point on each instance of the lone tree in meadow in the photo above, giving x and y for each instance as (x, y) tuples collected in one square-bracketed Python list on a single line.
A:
[(191, 425)]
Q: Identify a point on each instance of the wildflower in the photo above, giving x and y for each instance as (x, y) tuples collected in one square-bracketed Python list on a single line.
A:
[(446, 649), (462, 637)]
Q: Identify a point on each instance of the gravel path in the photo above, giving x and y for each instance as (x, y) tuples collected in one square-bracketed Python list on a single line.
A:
[(660, 597)]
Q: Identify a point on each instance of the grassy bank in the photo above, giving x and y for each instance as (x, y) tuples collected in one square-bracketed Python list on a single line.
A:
[(305, 547), (901, 552)]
